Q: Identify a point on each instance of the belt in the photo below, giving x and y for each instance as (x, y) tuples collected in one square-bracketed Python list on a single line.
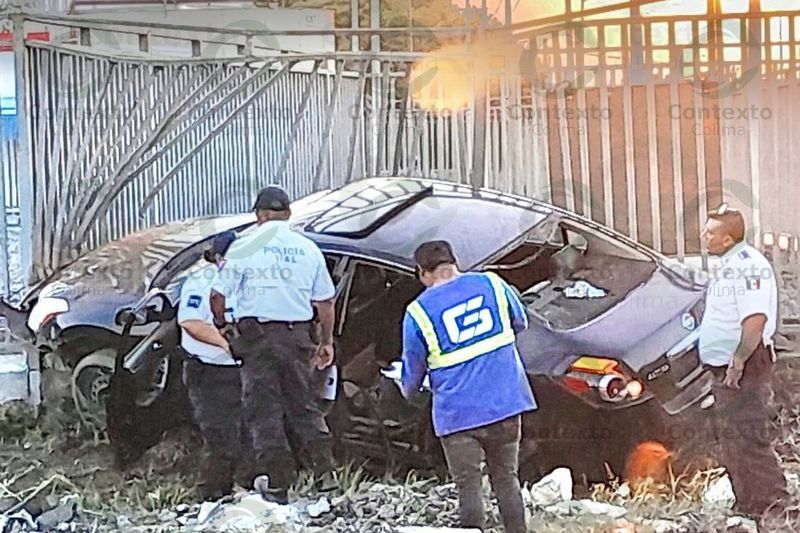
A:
[(261, 322)]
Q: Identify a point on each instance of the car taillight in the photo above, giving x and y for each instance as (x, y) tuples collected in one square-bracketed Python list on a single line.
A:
[(611, 380), (594, 365)]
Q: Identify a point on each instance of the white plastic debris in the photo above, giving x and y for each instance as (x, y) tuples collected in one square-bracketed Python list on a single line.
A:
[(206, 508), (664, 526), (720, 494), (742, 523), (123, 522), (553, 488), (623, 492), (584, 290), (319, 508), (565, 508), (600, 508)]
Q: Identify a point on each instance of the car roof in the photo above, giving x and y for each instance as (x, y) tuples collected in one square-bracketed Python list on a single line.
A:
[(386, 218)]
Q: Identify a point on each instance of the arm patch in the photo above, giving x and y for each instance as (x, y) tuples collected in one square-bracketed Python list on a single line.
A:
[(194, 301)]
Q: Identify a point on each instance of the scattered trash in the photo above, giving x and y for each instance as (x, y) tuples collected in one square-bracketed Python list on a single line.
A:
[(206, 508), (319, 508), (742, 523), (584, 290), (600, 508), (123, 522), (720, 494), (553, 488), (63, 512)]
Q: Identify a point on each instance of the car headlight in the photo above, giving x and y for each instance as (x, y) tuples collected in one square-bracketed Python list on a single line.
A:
[(45, 309)]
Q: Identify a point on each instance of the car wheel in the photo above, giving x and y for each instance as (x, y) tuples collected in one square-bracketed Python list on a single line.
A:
[(90, 381)]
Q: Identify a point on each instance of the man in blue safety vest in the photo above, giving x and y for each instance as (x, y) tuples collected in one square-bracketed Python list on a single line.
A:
[(461, 331)]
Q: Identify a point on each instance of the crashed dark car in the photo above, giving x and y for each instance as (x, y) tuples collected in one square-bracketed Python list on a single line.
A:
[(611, 349)]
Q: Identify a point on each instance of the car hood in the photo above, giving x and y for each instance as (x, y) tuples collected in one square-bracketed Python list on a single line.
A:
[(119, 273), (638, 330)]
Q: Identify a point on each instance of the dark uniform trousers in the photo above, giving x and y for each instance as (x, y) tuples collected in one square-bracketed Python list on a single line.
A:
[(741, 425), (279, 399), (215, 395), (499, 443)]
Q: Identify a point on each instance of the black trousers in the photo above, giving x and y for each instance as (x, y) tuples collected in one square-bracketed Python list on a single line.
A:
[(499, 443), (743, 432), (215, 396), (282, 414)]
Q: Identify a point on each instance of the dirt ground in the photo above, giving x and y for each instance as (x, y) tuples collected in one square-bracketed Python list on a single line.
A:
[(43, 459)]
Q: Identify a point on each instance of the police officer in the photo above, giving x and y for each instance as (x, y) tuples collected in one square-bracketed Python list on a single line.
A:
[(736, 345), (211, 376), (461, 331), (279, 277)]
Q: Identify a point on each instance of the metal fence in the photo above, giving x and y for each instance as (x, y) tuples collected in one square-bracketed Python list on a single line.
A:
[(645, 137)]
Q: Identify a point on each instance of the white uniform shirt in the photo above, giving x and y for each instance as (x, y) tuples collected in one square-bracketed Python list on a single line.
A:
[(275, 273), (195, 305), (744, 285)]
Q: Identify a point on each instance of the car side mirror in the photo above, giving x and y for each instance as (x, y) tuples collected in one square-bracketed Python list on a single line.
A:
[(159, 309)]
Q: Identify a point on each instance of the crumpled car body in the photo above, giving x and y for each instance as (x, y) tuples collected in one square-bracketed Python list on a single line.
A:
[(611, 348)]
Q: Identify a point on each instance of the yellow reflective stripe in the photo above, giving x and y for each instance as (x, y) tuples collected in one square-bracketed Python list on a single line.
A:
[(501, 299), (437, 359), (426, 327), (471, 352)]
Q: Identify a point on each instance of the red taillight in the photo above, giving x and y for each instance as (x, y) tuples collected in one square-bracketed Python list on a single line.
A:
[(576, 384)]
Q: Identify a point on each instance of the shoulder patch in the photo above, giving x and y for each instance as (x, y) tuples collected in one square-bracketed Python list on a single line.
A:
[(744, 254), (753, 283), (194, 301)]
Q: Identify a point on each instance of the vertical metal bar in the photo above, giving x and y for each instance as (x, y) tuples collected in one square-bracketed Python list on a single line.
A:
[(655, 189), (605, 138), (583, 132), (376, 75), (702, 182), (630, 166), (566, 154), (479, 131), (677, 169), (23, 150)]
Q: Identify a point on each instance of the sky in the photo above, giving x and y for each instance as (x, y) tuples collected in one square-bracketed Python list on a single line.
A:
[(528, 9)]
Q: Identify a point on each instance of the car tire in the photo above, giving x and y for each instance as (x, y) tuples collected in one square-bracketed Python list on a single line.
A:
[(90, 381)]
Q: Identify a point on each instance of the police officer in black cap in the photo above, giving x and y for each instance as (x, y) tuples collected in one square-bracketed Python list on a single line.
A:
[(279, 278), (211, 376)]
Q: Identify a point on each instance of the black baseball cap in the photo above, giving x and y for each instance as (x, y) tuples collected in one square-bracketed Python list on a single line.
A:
[(272, 199), (431, 254), (219, 245)]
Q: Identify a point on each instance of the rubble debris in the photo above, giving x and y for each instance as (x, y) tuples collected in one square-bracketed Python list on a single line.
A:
[(18, 522), (123, 522), (553, 488), (600, 508), (664, 526), (206, 508), (65, 511), (319, 508), (741, 523), (719, 494)]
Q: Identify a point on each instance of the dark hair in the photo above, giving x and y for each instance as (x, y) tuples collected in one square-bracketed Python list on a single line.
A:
[(431, 254), (219, 245), (732, 222)]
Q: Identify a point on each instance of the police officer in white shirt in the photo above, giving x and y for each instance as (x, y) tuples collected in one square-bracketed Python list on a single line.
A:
[(211, 376), (736, 345), (279, 277)]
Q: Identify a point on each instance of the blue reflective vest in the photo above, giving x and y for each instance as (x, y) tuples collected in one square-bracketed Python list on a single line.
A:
[(462, 334)]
